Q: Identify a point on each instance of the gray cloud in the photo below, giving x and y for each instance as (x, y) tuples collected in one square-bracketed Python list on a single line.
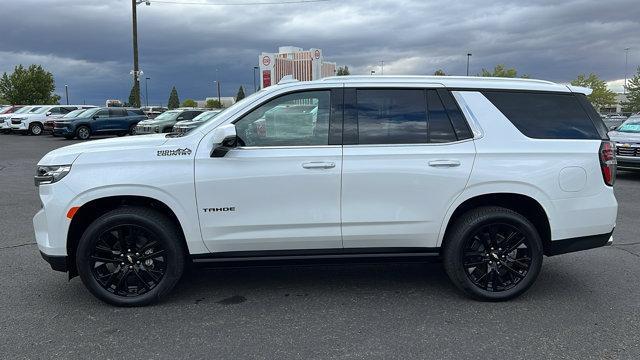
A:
[(87, 44)]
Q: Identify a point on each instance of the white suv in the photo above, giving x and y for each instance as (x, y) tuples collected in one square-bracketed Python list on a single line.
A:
[(489, 174), (33, 122)]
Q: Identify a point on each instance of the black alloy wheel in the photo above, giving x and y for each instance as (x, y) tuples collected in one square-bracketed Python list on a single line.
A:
[(130, 256), (127, 260), (493, 253)]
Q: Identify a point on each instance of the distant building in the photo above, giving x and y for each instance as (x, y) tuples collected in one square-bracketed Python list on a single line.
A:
[(617, 107), (303, 65), (225, 100)]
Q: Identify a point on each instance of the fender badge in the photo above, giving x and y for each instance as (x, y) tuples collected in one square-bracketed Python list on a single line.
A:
[(176, 152)]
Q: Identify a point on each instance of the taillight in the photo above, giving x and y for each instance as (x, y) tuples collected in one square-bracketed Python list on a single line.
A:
[(608, 162)]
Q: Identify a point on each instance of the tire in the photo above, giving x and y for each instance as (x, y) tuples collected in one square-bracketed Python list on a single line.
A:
[(132, 130), (83, 132), (123, 285), (476, 262), (35, 129)]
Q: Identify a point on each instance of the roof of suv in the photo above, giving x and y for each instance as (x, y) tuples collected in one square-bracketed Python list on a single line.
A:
[(461, 82)]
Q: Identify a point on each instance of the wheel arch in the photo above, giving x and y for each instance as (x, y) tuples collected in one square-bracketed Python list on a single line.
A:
[(99, 206), (524, 204)]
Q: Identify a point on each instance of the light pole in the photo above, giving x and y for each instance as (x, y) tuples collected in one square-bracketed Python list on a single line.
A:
[(136, 71), (381, 67), (146, 90), (468, 57), (218, 85), (255, 87), (626, 62), (66, 93)]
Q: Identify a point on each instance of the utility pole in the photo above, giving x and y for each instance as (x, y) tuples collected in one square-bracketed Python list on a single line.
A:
[(255, 87), (468, 57), (218, 85), (626, 62), (146, 90), (136, 81), (66, 92), (381, 67)]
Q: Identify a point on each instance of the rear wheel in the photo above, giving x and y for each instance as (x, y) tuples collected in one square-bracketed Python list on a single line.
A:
[(130, 256), (35, 129), (132, 130), (493, 253), (83, 133)]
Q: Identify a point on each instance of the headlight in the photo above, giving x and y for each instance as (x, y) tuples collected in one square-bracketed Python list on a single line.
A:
[(50, 174)]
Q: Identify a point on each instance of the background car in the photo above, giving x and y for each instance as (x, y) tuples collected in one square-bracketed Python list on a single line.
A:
[(8, 109), (49, 123), (613, 121), (627, 140), (153, 111), (99, 121), (33, 122), (164, 122), (5, 119), (185, 126)]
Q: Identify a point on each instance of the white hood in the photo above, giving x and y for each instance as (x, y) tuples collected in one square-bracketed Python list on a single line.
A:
[(68, 154)]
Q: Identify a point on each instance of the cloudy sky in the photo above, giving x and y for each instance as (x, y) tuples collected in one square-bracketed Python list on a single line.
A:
[(87, 43)]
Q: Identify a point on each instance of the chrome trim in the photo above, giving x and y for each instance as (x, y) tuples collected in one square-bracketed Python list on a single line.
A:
[(287, 147), (408, 145)]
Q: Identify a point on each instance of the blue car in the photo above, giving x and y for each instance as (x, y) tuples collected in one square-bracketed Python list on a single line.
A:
[(99, 121)]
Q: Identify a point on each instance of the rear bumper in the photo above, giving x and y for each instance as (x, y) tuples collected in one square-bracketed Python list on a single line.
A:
[(57, 263), (564, 246)]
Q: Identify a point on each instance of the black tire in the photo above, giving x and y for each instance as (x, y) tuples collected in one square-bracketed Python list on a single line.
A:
[(35, 129), (83, 132), (154, 258), (477, 263), (132, 129)]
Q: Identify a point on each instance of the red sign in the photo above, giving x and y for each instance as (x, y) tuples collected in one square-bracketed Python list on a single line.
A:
[(317, 54), (266, 78), (266, 61)]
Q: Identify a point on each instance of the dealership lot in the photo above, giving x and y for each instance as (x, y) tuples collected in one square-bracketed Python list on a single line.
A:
[(584, 305)]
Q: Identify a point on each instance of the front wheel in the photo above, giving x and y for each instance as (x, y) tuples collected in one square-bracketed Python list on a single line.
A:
[(83, 133), (130, 256), (493, 254), (35, 129), (132, 130)]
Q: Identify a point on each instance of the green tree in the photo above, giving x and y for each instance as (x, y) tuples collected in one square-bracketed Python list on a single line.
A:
[(439, 72), (601, 96), (501, 70), (343, 71), (189, 103), (174, 101), (213, 104), (30, 86), (633, 94), (134, 96), (240, 94)]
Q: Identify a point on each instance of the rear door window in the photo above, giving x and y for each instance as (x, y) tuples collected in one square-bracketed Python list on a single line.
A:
[(545, 115)]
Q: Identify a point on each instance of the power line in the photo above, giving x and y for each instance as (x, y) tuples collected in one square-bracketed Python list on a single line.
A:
[(285, 2)]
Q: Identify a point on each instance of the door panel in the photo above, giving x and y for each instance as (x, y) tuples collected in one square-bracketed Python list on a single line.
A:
[(397, 196)]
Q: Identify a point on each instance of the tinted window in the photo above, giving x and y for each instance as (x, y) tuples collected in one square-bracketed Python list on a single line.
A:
[(391, 116), (104, 113), (117, 112), (440, 128), (545, 115), (56, 110), (455, 115), (134, 112), (291, 120)]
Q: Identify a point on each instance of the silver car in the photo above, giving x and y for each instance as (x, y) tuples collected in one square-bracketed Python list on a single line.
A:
[(188, 125), (627, 140), (164, 122)]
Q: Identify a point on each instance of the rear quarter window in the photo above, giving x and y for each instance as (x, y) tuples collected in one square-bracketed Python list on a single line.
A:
[(545, 115)]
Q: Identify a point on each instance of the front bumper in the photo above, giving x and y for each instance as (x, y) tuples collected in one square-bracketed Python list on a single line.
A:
[(62, 131), (147, 129), (19, 127), (628, 162)]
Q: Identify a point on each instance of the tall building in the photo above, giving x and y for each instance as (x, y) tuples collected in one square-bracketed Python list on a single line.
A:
[(304, 65)]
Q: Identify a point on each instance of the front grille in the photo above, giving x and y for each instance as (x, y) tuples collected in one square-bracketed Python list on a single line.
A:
[(627, 151), (15, 121)]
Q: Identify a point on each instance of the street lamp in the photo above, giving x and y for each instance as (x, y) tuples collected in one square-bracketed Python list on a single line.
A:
[(217, 81), (626, 62), (468, 57), (135, 72), (255, 87), (66, 93), (146, 90)]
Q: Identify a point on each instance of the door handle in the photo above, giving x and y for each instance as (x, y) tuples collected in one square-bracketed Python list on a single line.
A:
[(444, 163), (318, 165)]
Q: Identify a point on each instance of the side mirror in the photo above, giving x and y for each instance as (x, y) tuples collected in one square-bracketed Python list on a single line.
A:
[(95, 117), (612, 127), (48, 113), (180, 118), (224, 139)]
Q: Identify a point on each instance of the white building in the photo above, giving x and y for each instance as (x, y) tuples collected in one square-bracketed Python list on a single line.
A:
[(303, 65)]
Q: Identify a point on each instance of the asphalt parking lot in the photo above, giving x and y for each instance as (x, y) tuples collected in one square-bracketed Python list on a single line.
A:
[(584, 305)]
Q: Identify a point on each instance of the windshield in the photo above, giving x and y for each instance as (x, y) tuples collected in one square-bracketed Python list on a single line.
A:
[(74, 113), (168, 115), (205, 116), (34, 109), (90, 112), (41, 110), (23, 110), (630, 126)]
